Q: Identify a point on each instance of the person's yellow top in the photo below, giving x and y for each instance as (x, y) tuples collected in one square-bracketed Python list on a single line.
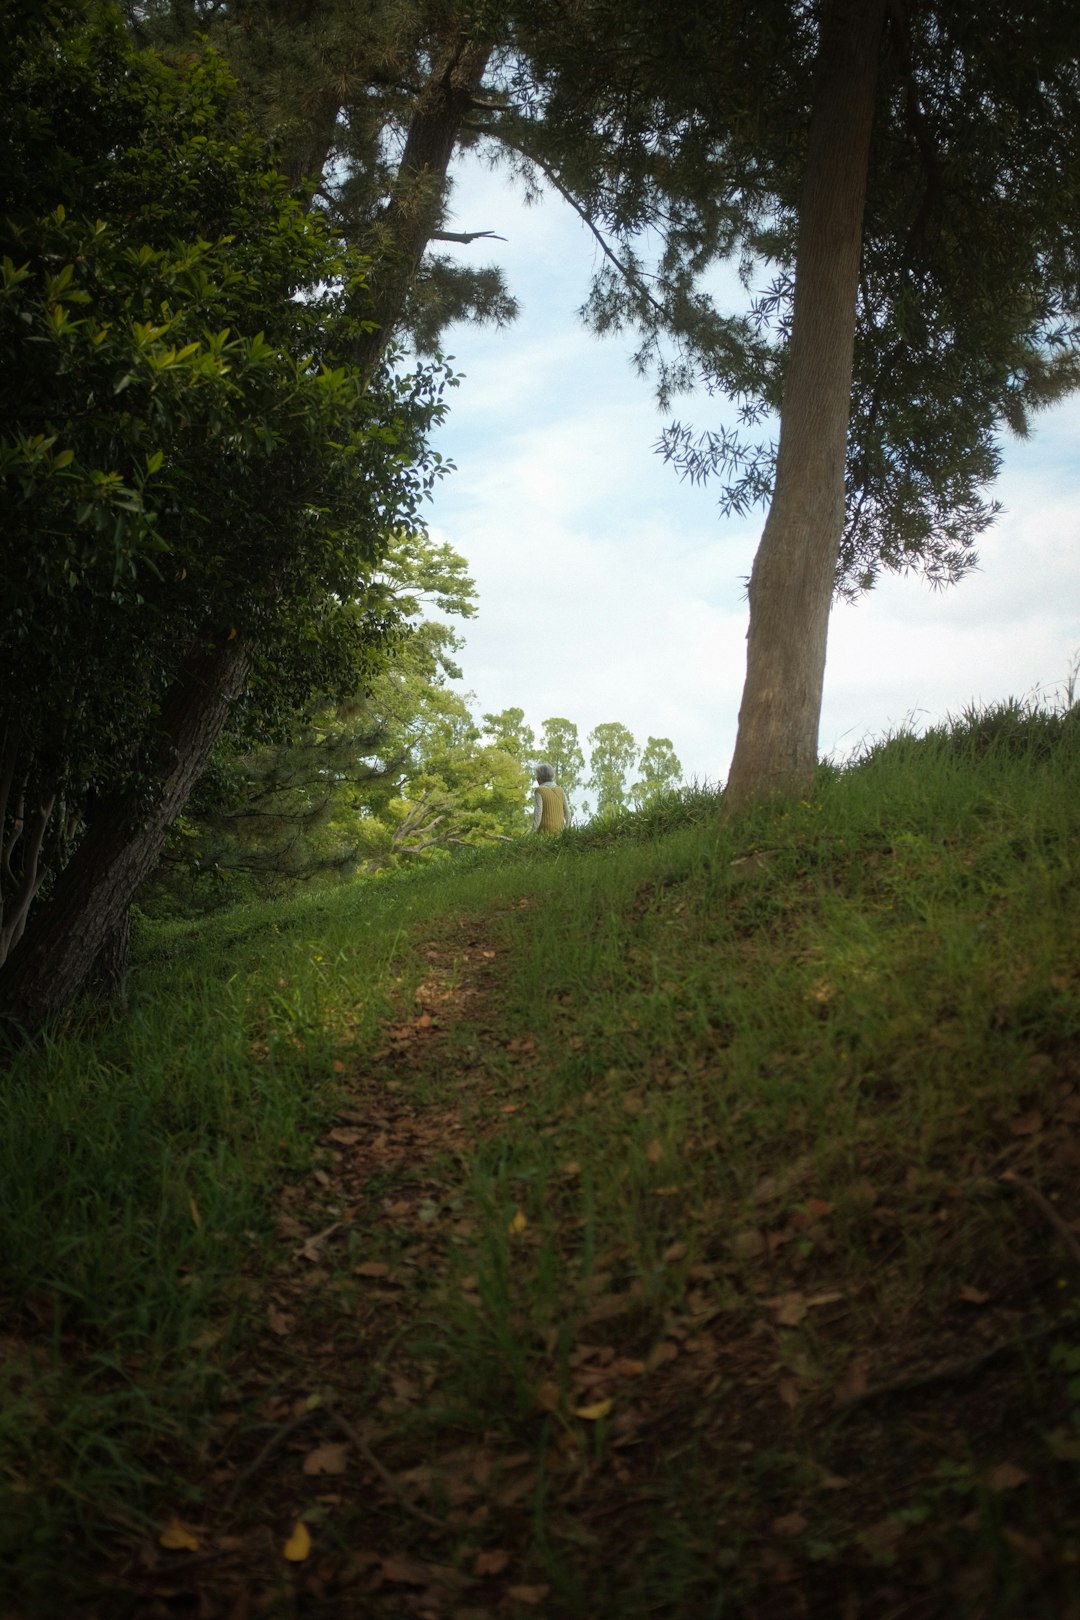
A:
[(553, 811)]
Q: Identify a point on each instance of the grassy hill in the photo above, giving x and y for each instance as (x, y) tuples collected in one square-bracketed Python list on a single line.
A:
[(679, 1219)]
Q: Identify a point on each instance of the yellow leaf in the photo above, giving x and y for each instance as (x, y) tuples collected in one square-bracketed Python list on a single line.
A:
[(519, 1222), (298, 1545), (178, 1538), (593, 1413)]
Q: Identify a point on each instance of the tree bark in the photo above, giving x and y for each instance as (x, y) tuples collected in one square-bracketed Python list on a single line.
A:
[(794, 573), (414, 212), (86, 910)]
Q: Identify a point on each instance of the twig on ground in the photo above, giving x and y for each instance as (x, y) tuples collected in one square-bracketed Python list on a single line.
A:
[(943, 1371), (353, 1434), (325, 1407), (1012, 1179), (278, 1438)]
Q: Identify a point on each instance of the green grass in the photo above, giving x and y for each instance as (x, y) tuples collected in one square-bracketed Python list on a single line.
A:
[(717, 1069)]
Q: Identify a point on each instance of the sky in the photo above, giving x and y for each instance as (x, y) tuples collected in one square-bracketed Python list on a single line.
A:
[(609, 590)]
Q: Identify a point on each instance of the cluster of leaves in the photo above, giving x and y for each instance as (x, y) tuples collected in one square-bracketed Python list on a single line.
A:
[(187, 456), (682, 141)]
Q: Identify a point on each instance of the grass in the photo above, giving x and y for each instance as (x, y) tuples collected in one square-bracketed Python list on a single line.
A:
[(678, 1219)]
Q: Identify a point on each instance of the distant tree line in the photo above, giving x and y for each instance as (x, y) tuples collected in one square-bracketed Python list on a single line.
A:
[(401, 771)]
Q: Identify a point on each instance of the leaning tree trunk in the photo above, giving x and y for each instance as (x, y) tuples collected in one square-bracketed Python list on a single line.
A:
[(414, 212), (794, 573), (84, 917)]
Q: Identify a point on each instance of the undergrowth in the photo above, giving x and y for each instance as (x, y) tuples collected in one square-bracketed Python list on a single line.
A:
[(714, 1145)]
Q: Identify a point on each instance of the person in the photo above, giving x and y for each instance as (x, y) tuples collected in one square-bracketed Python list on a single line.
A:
[(551, 812)]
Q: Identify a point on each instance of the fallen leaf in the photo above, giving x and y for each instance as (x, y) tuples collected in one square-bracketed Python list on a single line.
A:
[(1026, 1124), (747, 1245), (593, 1413), (655, 1151), (974, 1296), (491, 1563), (519, 1222), (298, 1546), (674, 1251), (372, 1268), (1026, 1546), (788, 1391), (1006, 1477), (280, 1322), (345, 1134), (633, 1102), (789, 1310), (528, 1594), (330, 1458), (665, 1351), (406, 1571), (178, 1538), (789, 1524)]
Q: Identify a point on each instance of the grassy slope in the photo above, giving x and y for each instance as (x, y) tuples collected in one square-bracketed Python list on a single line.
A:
[(676, 1221)]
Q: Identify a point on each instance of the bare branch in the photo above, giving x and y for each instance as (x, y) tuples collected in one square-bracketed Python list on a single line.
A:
[(466, 236), (15, 911)]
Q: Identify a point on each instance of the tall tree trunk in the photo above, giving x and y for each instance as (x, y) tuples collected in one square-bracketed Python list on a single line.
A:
[(72, 931), (794, 573), (414, 212)]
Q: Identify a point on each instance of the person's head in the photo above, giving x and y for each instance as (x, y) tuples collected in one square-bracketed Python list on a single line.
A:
[(544, 773)]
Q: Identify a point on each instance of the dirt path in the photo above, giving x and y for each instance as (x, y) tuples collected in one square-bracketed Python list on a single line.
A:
[(348, 1482)]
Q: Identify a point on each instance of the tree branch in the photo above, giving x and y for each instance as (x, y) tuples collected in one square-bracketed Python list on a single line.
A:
[(466, 236), (916, 122), (627, 273)]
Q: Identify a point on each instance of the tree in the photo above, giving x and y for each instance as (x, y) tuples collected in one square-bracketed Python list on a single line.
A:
[(660, 772), (914, 187), (195, 488), (612, 751), (340, 792), (369, 103), (508, 731), (907, 177), (559, 746)]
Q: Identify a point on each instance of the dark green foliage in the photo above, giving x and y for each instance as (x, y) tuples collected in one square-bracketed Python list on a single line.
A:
[(692, 126), (187, 457)]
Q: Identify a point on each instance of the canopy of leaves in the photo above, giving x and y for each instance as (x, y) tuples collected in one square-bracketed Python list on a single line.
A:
[(184, 455), (679, 135)]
